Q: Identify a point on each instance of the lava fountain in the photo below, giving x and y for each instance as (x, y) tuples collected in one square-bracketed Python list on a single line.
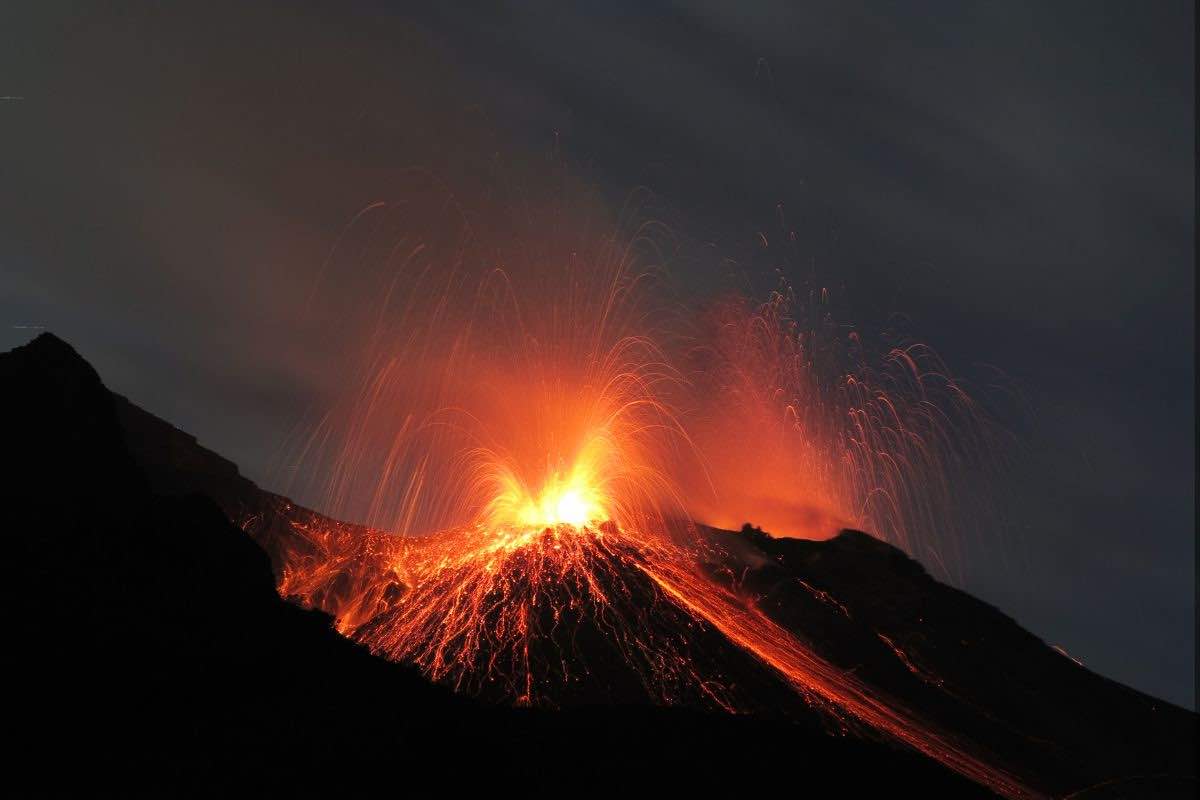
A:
[(830, 432), (526, 442)]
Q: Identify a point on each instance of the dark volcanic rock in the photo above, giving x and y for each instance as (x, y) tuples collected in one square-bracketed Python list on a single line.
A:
[(967, 667)]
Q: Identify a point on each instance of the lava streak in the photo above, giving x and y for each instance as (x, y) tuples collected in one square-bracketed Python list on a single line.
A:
[(834, 691)]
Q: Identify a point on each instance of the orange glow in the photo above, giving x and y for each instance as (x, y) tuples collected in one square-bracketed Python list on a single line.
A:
[(804, 430), (529, 440), (576, 497), (482, 606)]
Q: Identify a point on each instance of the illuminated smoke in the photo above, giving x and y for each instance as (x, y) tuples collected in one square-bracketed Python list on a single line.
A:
[(532, 427)]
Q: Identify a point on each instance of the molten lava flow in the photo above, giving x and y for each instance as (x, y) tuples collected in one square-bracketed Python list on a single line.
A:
[(515, 612)]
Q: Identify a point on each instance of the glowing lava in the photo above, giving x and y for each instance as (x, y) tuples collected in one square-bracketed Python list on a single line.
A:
[(539, 616), (518, 441), (576, 497)]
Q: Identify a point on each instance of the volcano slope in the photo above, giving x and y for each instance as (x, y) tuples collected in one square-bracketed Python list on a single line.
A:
[(149, 650)]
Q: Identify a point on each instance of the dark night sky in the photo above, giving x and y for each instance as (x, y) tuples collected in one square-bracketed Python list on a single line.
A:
[(1018, 181)]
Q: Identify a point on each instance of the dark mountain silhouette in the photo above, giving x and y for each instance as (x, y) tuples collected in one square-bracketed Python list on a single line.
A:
[(147, 650)]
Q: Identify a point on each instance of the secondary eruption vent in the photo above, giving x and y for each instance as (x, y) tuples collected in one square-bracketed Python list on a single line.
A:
[(529, 438)]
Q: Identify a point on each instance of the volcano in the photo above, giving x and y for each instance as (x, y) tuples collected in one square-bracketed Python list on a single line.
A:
[(174, 626)]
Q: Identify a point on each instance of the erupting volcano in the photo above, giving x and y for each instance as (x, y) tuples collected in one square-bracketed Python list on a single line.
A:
[(534, 440), (610, 394), (567, 597)]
